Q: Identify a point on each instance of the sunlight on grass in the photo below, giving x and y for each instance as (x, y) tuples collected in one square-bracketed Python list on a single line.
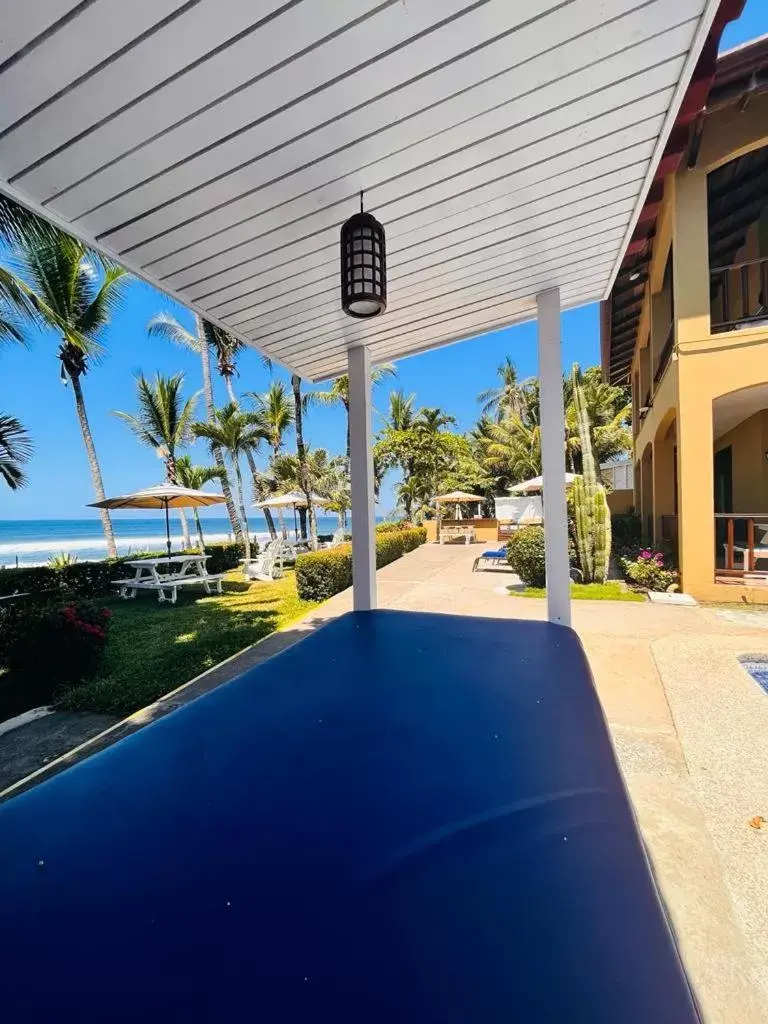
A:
[(154, 648), (611, 591)]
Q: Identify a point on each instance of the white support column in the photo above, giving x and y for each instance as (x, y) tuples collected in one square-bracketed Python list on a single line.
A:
[(361, 479), (553, 457)]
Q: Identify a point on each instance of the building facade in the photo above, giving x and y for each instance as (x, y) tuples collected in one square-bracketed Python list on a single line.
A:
[(687, 326)]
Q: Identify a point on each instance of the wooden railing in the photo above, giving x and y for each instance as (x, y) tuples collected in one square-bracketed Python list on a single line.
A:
[(740, 544), (665, 355), (739, 295)]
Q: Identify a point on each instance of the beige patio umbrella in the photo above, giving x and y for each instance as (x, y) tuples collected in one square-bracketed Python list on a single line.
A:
[(536, 483), (459, 498), (294, 500), (162, 496)]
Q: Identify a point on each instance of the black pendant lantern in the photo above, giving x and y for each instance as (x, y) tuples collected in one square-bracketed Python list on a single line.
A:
[(363, 266)]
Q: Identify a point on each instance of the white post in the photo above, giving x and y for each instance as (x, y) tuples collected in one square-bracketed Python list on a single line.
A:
[(361, 480), (553, 458)]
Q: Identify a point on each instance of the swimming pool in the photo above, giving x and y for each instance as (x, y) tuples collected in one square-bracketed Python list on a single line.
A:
[(757, 668)]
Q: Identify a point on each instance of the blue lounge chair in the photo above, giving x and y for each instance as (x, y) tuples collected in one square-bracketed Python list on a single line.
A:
[(491, 558)]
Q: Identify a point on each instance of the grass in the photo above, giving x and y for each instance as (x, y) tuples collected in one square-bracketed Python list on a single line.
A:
[(153, 647), (611, 591)]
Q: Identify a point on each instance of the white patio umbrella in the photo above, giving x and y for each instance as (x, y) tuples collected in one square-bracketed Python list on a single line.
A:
[(458, 498), (162, 496), (537, 484), (294, 500)]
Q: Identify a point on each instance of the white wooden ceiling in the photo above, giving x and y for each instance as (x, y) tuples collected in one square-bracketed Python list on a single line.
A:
[(216, 146)]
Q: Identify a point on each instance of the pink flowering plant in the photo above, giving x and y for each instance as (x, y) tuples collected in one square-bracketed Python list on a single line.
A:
[(54, 644), (649, 571)]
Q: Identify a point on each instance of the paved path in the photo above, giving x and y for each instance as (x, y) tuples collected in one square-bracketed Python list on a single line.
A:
[(690, 730)]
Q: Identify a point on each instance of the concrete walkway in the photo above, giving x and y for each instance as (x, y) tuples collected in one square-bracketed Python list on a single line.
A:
[(690, 730)]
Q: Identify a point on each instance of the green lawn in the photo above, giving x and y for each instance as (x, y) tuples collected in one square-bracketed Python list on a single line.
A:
[(611, 591), (153, 647)]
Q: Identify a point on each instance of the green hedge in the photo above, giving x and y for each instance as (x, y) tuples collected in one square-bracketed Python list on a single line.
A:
[(94, 579), (321, 574), (526, 549)]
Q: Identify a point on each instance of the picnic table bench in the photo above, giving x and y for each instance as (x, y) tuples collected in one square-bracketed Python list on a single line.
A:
[(166, 585), (465, 533)]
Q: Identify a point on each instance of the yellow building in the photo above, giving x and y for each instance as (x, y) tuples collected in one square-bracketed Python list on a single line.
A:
[(687, 325)]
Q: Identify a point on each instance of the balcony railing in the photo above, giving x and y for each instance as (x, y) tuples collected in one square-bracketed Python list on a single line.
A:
[(741, 545), (739, 295), (665, 355)]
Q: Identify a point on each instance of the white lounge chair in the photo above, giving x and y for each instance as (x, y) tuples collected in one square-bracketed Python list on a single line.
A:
[(268, 565)]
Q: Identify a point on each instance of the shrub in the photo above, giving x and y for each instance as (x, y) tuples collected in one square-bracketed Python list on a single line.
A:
[(62, 559), (46, 646), (321, 574), (392, 527), (626, 528), (526, 555), (225, 557), (648, 571)]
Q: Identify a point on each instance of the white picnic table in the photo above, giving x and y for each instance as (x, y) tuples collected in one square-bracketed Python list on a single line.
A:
[(465, 533), (192, 571)]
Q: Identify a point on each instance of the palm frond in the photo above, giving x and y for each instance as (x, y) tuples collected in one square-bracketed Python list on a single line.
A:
[(166, 327), (15, 451), (17, 223), (190, 475), (137, 427), (105, 303)]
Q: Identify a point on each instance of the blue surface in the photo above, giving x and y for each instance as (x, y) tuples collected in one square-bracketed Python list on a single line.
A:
[(404, 818), (758, 670)]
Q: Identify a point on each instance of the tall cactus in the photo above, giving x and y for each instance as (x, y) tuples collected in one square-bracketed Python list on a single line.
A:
[(590, 505)]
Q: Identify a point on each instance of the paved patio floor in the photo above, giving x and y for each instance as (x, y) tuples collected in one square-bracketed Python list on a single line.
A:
[(690, 729)]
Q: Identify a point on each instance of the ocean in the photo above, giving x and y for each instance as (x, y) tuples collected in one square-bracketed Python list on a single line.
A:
[(33, 541)]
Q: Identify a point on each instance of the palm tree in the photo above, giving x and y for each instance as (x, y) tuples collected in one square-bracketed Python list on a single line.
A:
[(164, 423), (432, 419), (235, 432), (164, 326), (277, 414), (506, 399), (609, 408), (15, 451), (400, 414), (298, 421), (510, 451), (70, 290), (327, 476), (339, 391), (196, 477), (225, 348)]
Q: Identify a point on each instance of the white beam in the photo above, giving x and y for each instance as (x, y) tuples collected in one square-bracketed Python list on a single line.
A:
[(361, 479), (553, 457)]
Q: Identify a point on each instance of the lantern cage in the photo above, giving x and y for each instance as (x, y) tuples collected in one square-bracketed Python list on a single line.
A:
[(363, 267)]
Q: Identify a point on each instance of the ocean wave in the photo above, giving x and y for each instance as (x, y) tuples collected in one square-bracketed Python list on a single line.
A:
[(52, 546)]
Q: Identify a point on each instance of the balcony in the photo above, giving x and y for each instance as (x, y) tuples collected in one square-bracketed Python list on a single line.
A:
[(664, 356), (739, 296), (741, 548)]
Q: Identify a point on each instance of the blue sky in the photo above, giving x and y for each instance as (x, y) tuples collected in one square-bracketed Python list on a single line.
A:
[(60, 484)]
